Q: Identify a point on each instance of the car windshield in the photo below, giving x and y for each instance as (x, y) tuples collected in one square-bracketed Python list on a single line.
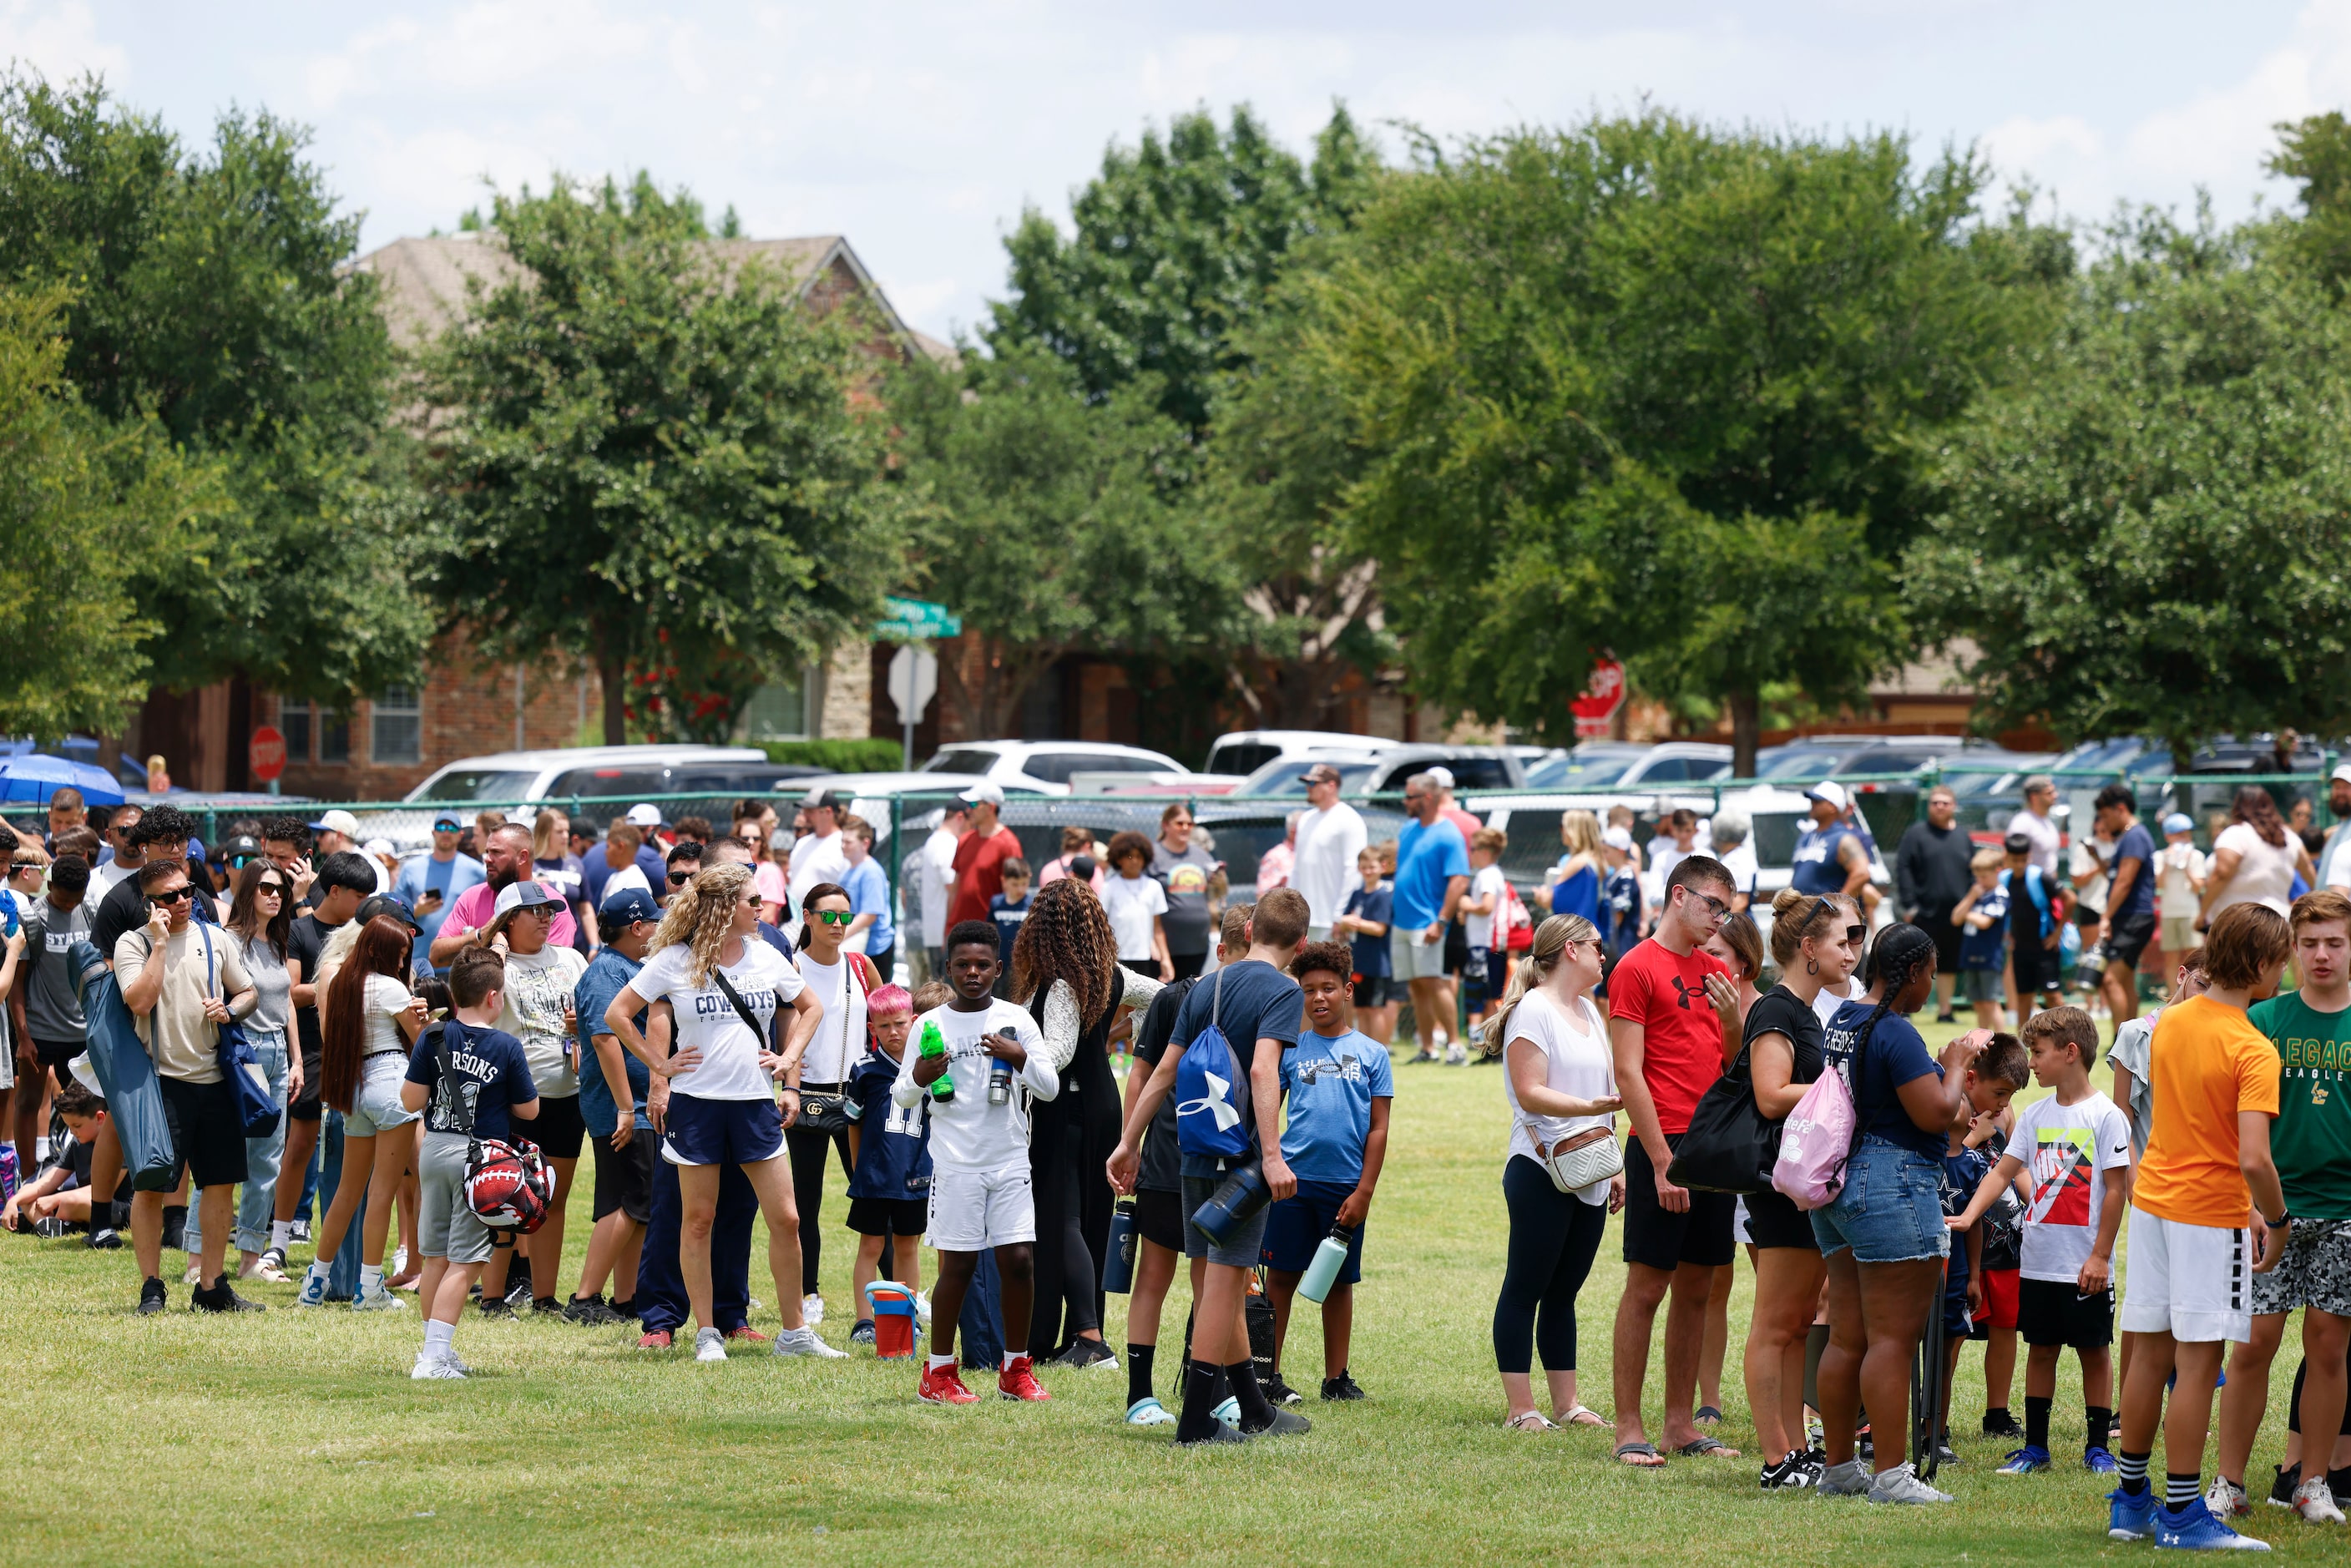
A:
[(1814, 762), (973, 760), (1580, 771), (479, 784)]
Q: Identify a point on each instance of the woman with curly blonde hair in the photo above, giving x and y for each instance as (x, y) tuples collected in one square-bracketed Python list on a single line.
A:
[(1065, 971), (727, 989)]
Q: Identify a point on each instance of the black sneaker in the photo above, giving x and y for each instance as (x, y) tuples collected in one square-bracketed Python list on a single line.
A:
[(545, 1307), (861, 1332), (519, 1292), (1792, 1473), (1278, 1391), (1943, 1454), (1341, 1387), (498, 1307), (151, 1299), (2001, 1424), (1088, 1352), (221, 1297), (2281, 1488), (49, 1226), (301, 1230), (590, 1311), (107, 1239)]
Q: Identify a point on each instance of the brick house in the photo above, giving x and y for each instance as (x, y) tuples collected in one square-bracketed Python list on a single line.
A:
[(386, 745)]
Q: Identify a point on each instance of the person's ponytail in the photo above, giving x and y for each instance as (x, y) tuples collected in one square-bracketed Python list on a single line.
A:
[(1551, 938)]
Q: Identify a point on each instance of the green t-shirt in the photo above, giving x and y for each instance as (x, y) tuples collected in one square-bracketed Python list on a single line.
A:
[(2311, 1139)]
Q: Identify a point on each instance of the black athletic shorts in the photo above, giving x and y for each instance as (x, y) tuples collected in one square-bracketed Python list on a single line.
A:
[(1700, 1235), (2039, 970), (2052, 1311), (624, 1178), (559, 1130), (906, 1217), (1948, 938), (1773, 1221), (58, 1054), (1456, 948), (207, 1139), (307, 1108), (1377, 990), (2127, 938), (1159, 1217)]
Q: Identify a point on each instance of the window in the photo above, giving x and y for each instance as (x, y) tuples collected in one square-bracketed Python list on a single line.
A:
[(294, 723), (334, 736), (396, 727), (780, 712), (962, 759)]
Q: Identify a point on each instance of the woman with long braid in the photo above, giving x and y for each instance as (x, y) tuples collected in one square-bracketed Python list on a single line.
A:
[(1884, 1235), (1065, 971)]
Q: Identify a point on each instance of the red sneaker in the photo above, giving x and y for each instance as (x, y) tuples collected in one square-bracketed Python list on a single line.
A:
[(745, 1332), (1017, 1382), (944, 1386), (657, 1340)]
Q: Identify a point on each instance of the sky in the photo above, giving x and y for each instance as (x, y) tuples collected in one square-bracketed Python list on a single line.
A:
[(920, 130)]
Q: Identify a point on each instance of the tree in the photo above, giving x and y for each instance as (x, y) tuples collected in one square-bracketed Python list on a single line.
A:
[(648, 456), (1055, 525), (204, 291), (1617, 387), (88, 503), (2148, 535), (2316, 153)]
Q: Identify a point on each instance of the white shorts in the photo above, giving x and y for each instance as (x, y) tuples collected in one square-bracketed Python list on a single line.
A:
[(2193, 1282), (972, 1211)]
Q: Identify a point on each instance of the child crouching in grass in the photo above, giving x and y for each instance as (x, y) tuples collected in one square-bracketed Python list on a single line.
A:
[(889, 1158), (1338, 1084), (469, 1078)]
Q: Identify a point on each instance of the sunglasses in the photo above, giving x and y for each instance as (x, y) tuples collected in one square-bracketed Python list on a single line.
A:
[(679, 879), (1851, 933), (15, 866), (165, 900), (833, 917), (274, 889)]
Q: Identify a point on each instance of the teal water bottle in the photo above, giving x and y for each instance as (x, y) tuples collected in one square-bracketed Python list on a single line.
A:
[(1323, 1273)]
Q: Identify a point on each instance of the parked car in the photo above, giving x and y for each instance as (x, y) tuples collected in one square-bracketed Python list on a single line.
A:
[(1244, 751), (1594, 765), (1046, 765), (607, 772), (1473, 767)]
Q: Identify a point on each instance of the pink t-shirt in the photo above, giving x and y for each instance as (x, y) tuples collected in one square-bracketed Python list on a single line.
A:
[(768, 877), (476, 903)]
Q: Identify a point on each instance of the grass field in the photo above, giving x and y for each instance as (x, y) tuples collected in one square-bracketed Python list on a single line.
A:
[(297, 1438)]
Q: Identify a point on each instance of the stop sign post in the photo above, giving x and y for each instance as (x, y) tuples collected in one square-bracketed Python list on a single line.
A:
[(266, 756), (1603, 696)]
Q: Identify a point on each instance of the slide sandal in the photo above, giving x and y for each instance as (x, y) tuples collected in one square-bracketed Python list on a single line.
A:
[(1581, 1415), (1639, 1456), (1707, 1449)]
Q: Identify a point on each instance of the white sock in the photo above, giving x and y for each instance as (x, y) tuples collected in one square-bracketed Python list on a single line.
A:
[(440, 1338), (371, 1279), (281, 1234), (938, 1361), (1010, 1358), (320, 1267)]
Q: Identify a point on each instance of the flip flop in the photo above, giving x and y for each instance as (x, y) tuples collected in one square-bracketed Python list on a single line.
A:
[(1704, 1448), (1707, 1413), (1529, 1421), (1639, 1456), (1581, 1415)]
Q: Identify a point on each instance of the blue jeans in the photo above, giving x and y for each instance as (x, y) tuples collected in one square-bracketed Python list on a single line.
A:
[(1890, 1209), (255, 1204)]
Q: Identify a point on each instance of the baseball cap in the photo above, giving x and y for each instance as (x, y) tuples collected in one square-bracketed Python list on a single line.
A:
[(383, 904), (1619, 839), (627, 906), (983, 792), (1440, 775), (2182, 823), (523, 896), (1321, 773), (338, 821), (832, 798), (1828, 792), (379, 847), (2017, 844), (448, 823), (2342, 772), (644, 816)]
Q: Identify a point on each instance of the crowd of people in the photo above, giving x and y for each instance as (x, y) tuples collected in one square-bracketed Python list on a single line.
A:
[(713, 1018)]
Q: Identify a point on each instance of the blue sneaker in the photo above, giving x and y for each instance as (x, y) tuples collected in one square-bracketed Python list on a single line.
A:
[(2193, 1528), (2024, 1461), (314, 1292), (2130, 1518), (2098, 1462)]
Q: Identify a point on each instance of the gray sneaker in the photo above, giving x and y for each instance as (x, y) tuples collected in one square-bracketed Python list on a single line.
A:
[(1901, 1484), (1847, 1480)]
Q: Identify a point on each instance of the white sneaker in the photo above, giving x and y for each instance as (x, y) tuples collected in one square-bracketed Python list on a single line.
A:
[(811, 1310), (436, 1366), (195, 1274), (709, 1345), (399, 1264), (377, 1301), (2225, 1499), (1148, 1412), (922, 1309), (2315, 1502), (803, 1342), (1901, 1484), (1457, 1055)]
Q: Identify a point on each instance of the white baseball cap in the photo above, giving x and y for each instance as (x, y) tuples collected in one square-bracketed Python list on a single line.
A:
[(523, 896), (379, 847), (644, 816), (338, 821), (1442, 777), (1826, 790), (981, 792), (2342, 772), (1619, 839)]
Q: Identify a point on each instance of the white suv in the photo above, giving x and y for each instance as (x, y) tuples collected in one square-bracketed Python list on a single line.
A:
[(1045, 765)]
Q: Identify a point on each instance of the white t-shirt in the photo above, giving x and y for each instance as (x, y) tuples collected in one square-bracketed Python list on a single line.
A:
[(707, 1021), (2044, 835), (1132, 902), (1488, 883), (381, 1000), (939, 884), (2264, 870), (1740, 863), (1831, 998), (2067, 1151), (816, 860), (1324, 867), (2134, 1052), (537, 988), (1578, 1062), (967, 1133), (2177, 866), (840, 1044), (628, 876)]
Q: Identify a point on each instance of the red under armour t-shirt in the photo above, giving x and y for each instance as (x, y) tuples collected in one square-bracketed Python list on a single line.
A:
[(1682, 1049)]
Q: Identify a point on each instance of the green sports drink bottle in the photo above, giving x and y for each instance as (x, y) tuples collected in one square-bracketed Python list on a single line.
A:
[(934, 1044)]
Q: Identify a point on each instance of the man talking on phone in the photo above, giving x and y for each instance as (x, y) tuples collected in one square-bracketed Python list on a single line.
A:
[(429, 885)]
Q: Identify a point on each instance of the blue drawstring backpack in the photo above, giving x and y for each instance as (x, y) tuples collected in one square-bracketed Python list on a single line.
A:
[(256, 1113), (134, 1099), (1211, 1091)]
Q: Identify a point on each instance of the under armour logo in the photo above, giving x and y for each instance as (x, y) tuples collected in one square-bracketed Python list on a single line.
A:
[(1218, 1103), (1680, 986)]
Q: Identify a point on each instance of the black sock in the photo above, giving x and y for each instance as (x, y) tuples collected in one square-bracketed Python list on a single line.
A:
[(1996, 1416), (2339, 1481), (2036, 1422), (1257, 1415), (1196, 1420), (2179, 1490), (2133, 1470), (1138, 1372), (1219, 1383), (2102, 1421)]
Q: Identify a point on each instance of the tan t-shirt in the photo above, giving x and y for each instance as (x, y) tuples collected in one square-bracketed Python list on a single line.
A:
[(178, 1036)]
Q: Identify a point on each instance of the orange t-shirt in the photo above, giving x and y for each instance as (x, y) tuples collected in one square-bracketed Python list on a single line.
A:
[(2207, 1063)]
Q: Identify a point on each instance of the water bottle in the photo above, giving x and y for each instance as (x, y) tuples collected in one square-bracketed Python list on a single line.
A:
[(1242, 1193), (934, 1044), (1323, 1273), (1118, 1271), (1000, 1080)]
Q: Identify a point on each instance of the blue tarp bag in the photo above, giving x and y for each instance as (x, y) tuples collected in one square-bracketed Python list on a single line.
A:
[(1211, 1091), (134, 1099)]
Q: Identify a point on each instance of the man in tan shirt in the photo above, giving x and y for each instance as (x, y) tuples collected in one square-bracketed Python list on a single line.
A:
[(182, 983)]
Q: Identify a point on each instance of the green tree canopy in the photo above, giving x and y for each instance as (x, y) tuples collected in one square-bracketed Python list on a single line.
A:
[(648, 456), (2148, 535)]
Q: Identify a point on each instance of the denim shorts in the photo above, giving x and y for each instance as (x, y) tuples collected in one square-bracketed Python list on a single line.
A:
[(376, 1107), (1891, 1209)]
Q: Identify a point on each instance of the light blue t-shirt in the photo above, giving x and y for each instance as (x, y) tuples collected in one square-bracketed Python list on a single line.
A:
[(449, 878), (1329, 1085), (868, 894), (1427, 859)]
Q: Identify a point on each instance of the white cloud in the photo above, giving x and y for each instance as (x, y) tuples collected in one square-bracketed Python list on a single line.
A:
[(60, 41)]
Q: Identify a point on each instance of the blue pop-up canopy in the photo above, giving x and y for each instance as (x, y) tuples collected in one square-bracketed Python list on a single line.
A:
[(36, 777)]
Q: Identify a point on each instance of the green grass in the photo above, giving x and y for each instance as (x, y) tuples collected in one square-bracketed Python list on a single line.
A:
[(297, 1436)]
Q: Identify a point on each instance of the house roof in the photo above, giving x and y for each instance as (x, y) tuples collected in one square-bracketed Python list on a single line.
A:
[(424, 279)]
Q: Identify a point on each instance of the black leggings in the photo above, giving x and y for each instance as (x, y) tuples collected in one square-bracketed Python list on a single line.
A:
[(808, 1148), (1555, 1235), (1077, 1258)]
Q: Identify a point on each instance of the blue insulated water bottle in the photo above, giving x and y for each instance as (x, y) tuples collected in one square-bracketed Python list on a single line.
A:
[(1118, 1272), (1242, 1193), (1323, 1271)]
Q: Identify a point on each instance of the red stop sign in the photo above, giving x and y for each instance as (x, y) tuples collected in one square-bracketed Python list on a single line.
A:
[(1600, 699), (267, 753)]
